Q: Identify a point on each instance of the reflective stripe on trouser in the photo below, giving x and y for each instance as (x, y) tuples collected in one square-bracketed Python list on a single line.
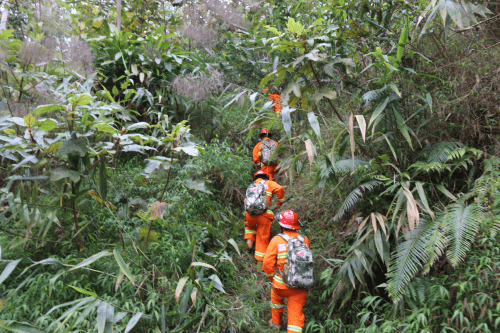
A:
[(258, 229), (269, 170), (295, 303)]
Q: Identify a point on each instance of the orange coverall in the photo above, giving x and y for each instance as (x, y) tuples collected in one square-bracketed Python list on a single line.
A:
[(274, 260), (276, 107), (258, 227), (268, 169)]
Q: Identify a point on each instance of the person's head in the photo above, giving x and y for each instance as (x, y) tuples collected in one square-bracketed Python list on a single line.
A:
[(260, 174), (289, 220), (265, 133)]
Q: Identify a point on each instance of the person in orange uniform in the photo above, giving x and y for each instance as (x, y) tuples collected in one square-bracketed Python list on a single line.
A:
[(274, 260), (270, 169), (258, 227), (275, 96)]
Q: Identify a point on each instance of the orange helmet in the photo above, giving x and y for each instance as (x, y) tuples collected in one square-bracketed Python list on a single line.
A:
[(265, 131), (289, 220), (259, 173)]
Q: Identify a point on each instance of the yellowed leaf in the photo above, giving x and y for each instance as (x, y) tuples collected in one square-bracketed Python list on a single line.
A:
[(351, 134), (310, 151)]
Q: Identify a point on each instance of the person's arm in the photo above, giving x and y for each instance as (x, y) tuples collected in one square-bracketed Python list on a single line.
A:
[(307, 241), (256, 154), (277, 189), (270, 259)]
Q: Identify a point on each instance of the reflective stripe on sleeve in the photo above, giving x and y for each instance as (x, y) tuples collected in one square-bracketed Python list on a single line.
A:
[(270, 212), (260, 254), (282, 255), (270, 274), (281, 200), (269, 193), (294, 328), (260, 153), (278, 279), (250, 232)]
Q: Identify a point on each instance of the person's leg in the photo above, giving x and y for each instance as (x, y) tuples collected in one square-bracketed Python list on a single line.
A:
[(250, 229), (263, 236), (277, 306), (295, 303)]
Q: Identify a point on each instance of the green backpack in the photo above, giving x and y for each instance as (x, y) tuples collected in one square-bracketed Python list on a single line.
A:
[(298, 269)]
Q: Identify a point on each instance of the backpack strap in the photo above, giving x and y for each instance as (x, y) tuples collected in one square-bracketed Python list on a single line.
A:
[(284, 236), (301, 237)]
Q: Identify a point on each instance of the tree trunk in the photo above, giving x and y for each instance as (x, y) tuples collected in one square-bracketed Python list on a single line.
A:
[(118, 14), (5, 15)]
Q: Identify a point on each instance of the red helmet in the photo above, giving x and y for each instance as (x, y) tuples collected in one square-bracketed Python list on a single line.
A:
[(289, 220), (265, 131), (259, 173)]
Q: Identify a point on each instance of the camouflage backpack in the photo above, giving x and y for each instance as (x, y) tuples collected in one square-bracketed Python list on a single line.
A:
[(267, 149), (256, 201), (298, 269)]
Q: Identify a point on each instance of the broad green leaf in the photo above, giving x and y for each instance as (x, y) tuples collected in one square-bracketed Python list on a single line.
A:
[(46, 125), (9, 131), (82, 99), (428, 98), (53, 147), (8, 270), (137, 126), (133, 321), (47, 108), (193, 264), (197, 185), (123, 266), (443, 190), (103, 182), (90, 260), (423, 198), (101, 316), (106, 128), (115, 90), (402, 126), (73, 147), (14, 326), (287, 121), (378, 111), (233, 243), (180, 286), (84, 291), (29, 120), (63, 172), (313, 120)]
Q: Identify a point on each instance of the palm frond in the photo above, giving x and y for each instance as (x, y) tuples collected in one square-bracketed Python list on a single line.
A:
[(354, 197), (408, 258), (461, 225)]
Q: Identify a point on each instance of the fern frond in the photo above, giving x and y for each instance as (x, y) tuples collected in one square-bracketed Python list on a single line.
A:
[(408, 258), (373, 95), (441, 151), (354, 197), (346, 165), (461, 225), (428, 167)]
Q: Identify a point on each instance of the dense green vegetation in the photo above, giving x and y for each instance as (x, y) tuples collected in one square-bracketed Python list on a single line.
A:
[(126, 132)]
